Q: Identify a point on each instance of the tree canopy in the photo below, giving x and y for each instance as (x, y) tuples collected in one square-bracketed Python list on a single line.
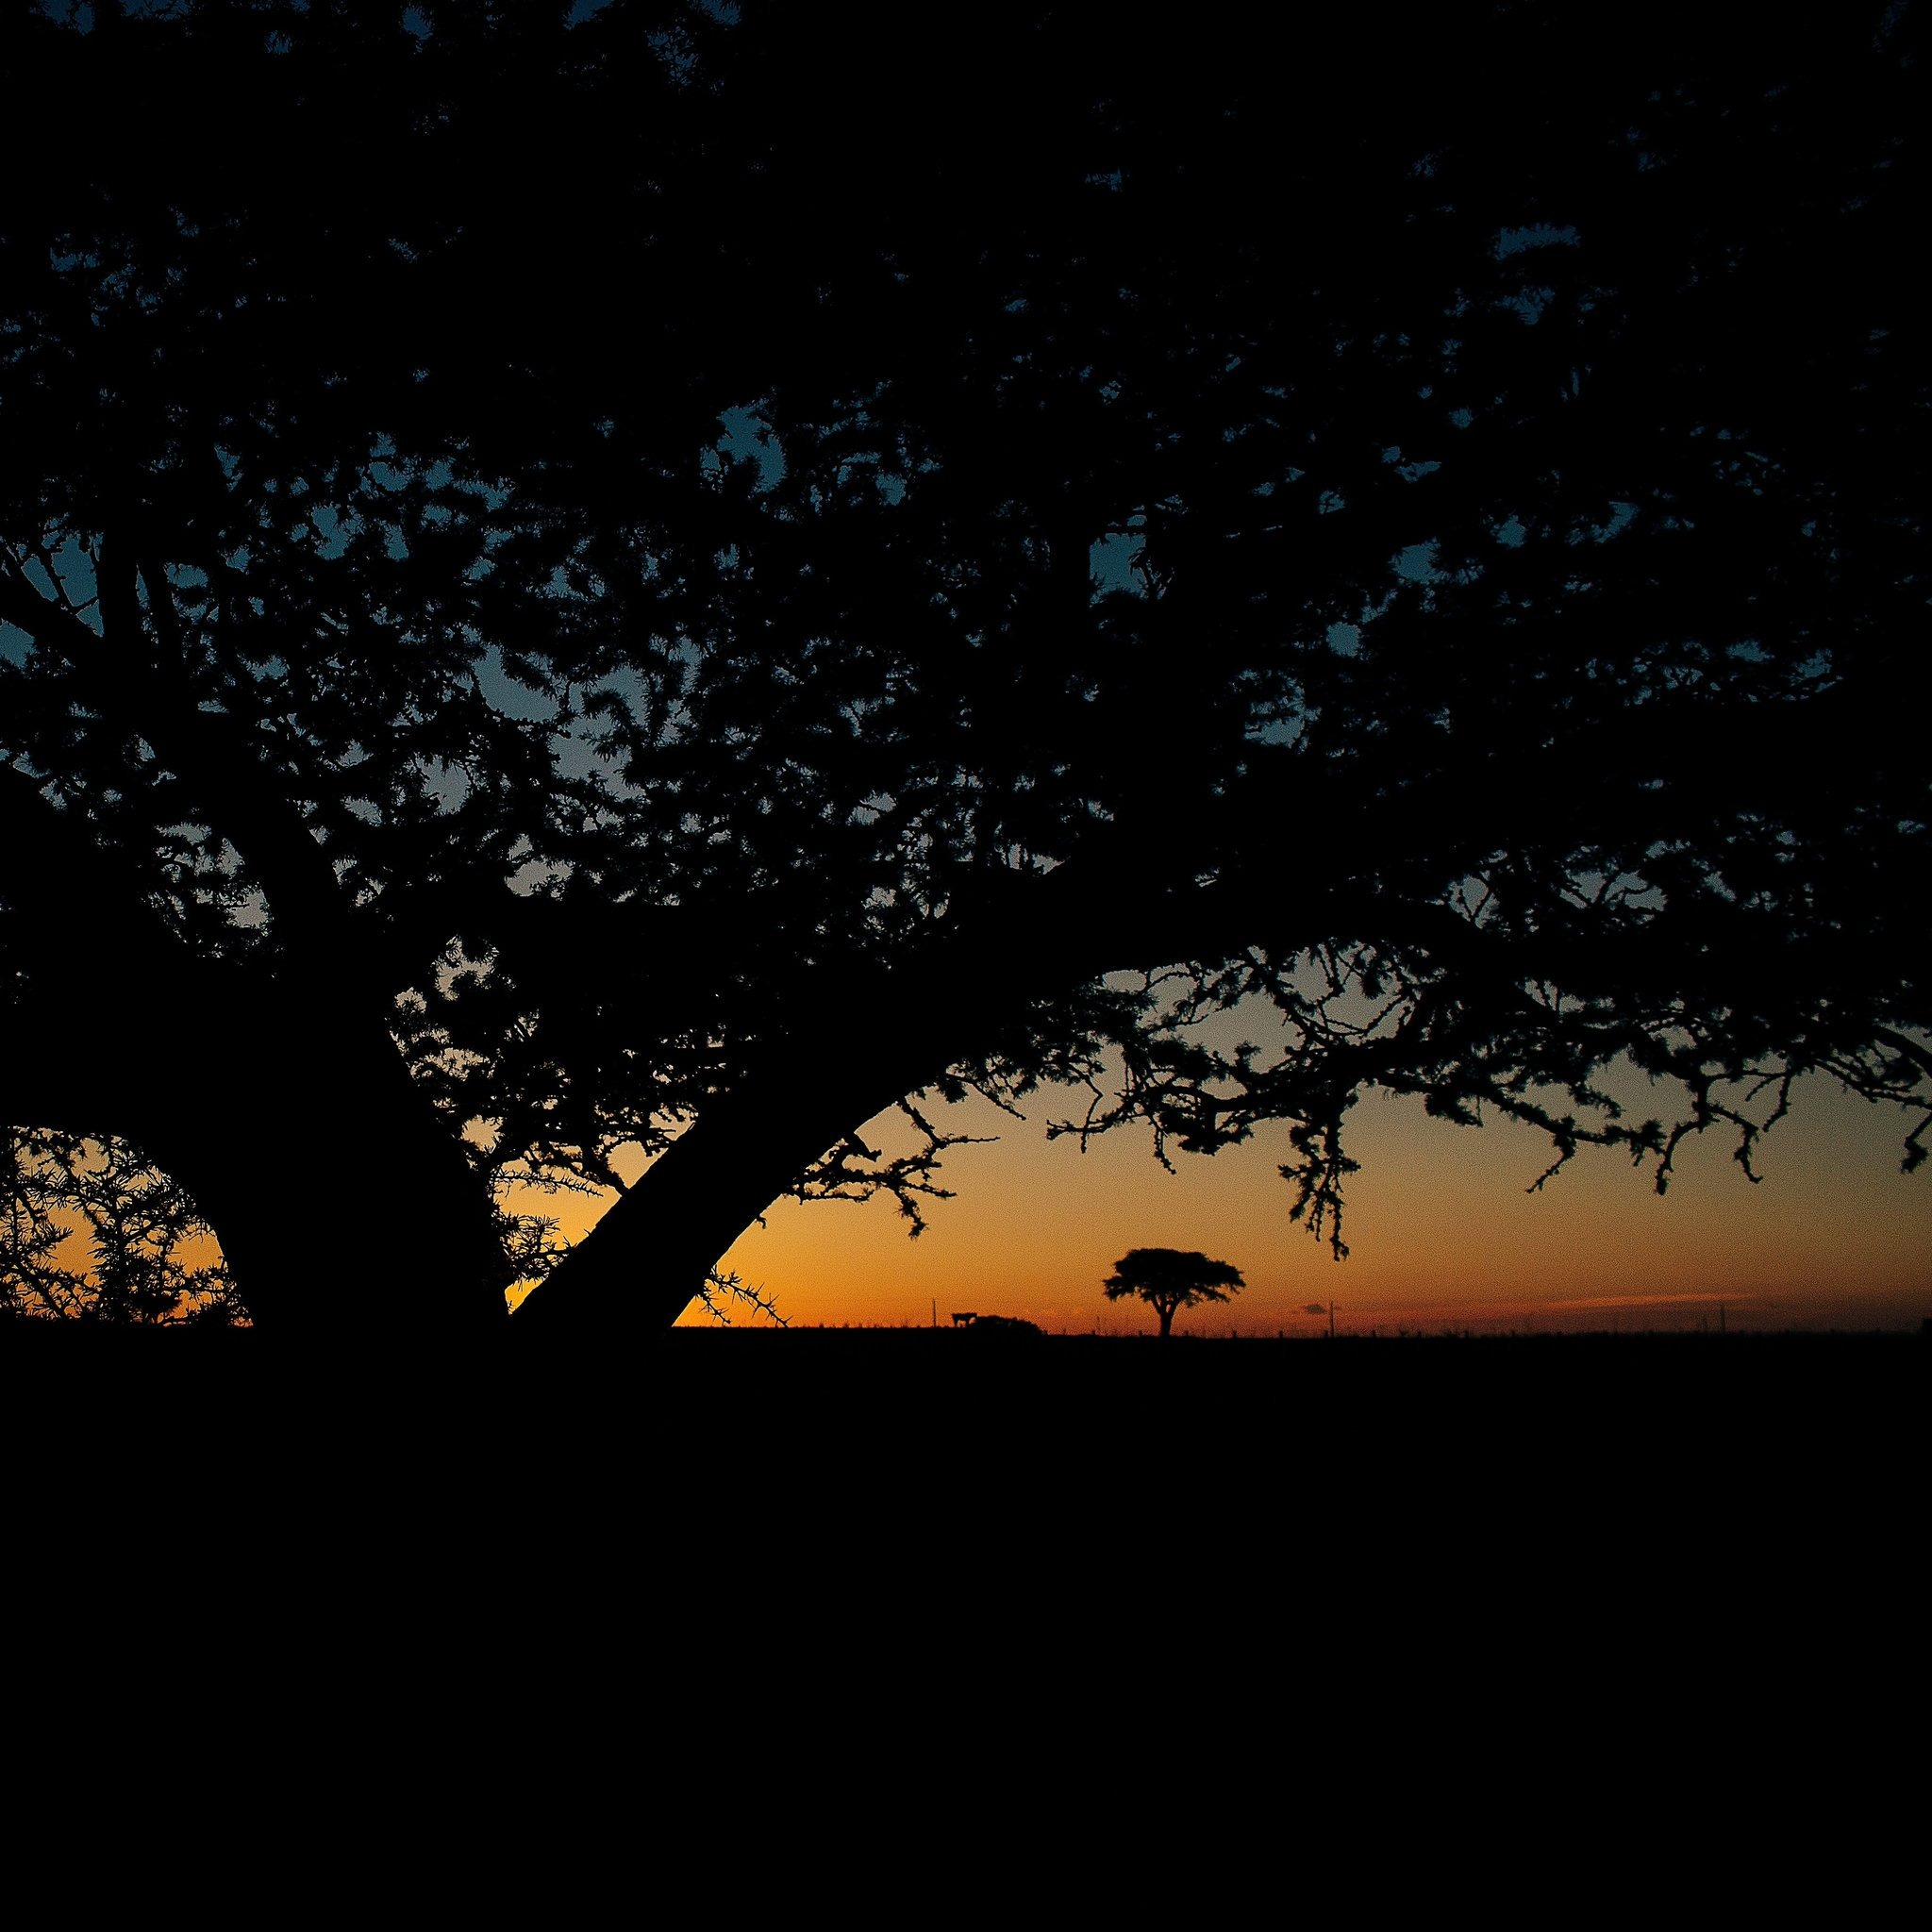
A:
[(584, 592), (1170, 1280)]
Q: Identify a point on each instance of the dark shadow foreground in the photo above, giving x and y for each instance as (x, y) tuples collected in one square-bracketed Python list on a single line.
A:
[(909, 1429), (826, 1532), (1556, 1423), (1386, 1561)]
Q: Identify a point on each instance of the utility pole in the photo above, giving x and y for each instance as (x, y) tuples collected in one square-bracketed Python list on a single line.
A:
[(1331, 1321)]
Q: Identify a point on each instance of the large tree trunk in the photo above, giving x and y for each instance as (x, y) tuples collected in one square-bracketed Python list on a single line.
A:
[(380, 1259), (343, 1205)]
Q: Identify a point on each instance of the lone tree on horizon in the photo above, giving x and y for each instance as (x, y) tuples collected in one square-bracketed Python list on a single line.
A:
[(599, 605), (1169, 1279)]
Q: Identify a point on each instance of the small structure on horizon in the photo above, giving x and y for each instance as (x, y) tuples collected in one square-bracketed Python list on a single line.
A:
[(997, 1324)]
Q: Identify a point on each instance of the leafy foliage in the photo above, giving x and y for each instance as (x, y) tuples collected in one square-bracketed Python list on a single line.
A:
[(629, 598)]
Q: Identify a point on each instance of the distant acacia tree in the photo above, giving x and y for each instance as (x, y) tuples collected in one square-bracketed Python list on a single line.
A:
[(595, 604), (1170, 1280)]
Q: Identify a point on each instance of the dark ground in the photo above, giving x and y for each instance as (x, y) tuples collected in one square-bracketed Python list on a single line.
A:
[(961, 1398), (1663, 1545), (929, 1423)]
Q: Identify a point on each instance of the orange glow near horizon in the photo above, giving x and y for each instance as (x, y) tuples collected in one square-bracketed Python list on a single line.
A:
[(1443, 1236)]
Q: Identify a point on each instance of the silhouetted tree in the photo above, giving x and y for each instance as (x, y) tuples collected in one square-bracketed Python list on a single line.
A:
[(576, 592), (1168, 1279), (92, 1232)]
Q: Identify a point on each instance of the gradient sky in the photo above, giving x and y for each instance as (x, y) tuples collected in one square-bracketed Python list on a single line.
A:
[(1443, 1232)]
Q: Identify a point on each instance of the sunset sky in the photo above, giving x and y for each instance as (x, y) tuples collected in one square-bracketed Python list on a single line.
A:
[(1441, 1231)]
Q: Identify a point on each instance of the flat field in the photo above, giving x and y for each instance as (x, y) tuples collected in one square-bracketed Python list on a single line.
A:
[(814, 1440)]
